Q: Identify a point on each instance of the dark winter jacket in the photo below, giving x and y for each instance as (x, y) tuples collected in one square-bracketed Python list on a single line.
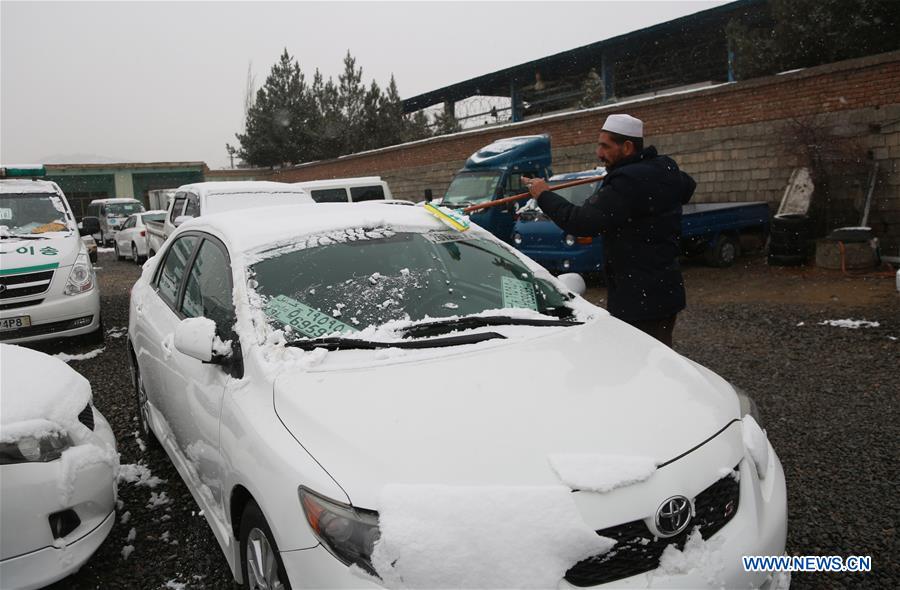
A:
[(637, 210)]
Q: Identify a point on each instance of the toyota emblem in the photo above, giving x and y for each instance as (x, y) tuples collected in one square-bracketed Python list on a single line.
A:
[(673, 516)]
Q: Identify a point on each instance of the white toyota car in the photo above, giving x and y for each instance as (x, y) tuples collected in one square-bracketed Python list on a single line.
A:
[(366, 397), (58, 466)]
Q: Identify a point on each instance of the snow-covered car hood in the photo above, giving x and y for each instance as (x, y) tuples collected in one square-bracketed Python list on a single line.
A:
[(41, 394), (53, 250), (492, 416)]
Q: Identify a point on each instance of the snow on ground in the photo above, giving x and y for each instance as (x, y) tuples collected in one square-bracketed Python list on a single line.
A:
[(848, 323), (698, 556), (127, 550), (139, 475), (480, 537), (157, 500), (601, 473), (116, 332), (65, 357), (106, 249)]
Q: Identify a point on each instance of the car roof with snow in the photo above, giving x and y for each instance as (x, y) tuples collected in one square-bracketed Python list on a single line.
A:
[(115, 200), (25, 185), (205, 189), (339, 181), (250, 229)]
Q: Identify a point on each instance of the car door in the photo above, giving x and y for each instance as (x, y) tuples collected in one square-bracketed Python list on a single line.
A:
[(125, 235), (156, 309), (195, 388)]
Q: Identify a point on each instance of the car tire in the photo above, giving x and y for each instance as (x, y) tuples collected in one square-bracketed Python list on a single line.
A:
[(119, 255), (134, 254), (723, 253), (93, 257), (257, 542), (140, 396)]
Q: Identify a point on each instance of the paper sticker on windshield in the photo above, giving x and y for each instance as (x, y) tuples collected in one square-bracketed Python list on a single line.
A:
[(518, 294), (5, 213), (310, 322), (442, 237)]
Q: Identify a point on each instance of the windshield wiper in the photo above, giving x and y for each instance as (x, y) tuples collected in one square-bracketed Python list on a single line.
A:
[(340, 343), (467, 323)]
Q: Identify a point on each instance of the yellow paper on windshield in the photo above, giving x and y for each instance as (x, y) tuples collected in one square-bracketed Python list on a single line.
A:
[(518, 294), (310, 322)]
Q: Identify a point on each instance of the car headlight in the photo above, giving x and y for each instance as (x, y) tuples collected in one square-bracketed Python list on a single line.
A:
[(348, 533), (517, 239), (81, 277), (32, 449), (748, 405), (570, 240)]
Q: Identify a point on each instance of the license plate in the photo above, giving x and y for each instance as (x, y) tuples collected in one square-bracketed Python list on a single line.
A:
[(23, 321)]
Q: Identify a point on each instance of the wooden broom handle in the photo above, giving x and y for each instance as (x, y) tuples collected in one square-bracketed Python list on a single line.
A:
[(525, 195)]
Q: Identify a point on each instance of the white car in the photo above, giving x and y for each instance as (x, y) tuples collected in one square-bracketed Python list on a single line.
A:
[(366, 397), (58, 466), (131, 240)]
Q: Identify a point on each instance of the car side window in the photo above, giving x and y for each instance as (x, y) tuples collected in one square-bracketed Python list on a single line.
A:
[(207, 292), (366, 193), (193, 206), (177, 207), (172, 270), (129, 224), (329, 195)]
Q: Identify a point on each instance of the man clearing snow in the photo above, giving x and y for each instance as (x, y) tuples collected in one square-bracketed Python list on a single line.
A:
[(637, 210)]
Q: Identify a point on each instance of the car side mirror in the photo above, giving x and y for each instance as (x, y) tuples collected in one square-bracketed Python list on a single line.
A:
[(181, 219), (573, 282), (89, 225), (194, 337)]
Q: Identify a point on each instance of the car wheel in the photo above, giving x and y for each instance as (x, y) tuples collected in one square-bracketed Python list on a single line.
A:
[(723, 253), (119, 255), (143, 412), (134, 254), (102, 242), (93, 257), (260, 558)]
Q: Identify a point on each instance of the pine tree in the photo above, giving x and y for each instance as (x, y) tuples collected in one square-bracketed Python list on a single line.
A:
[(371, 123), (445, 122), (351, 94)]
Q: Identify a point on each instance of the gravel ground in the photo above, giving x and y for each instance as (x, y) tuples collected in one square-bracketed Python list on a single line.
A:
[(828, 396)]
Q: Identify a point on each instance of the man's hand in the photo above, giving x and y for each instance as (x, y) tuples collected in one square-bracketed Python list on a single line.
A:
[(536, 186)]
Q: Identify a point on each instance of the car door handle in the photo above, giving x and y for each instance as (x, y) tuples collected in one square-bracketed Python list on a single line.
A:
[(167, 344)]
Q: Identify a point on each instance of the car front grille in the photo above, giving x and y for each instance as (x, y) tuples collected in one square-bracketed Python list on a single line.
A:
[(19, 304), (25, 284), (48, 328), (637, 550), (86, 416)]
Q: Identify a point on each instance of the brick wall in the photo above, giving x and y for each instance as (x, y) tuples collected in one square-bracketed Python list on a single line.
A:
[(737, 140)]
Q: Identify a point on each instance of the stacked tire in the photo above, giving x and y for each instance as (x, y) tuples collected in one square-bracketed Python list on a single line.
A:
[(789, 237)]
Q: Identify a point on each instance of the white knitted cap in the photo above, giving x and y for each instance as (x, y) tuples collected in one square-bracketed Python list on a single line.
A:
[(624, 125)]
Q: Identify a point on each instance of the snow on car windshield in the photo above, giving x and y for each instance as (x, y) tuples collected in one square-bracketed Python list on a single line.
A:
[(32, 213), (123, 209), (366, 277)]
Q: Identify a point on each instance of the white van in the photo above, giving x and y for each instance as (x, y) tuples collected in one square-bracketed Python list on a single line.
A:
[(47, 284), (347, 190), (112, 214)]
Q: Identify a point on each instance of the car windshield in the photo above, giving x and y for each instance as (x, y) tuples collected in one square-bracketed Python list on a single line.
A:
[(577, 195), (32, 213), (360, 278), (471, 188), (123, 209), (153, 217)]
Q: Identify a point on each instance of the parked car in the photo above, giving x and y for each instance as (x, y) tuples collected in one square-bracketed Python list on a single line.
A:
[(112, 214), (91, 245), (47, 284), (58, 466), (131, 240), (347, 190), (203, 198), (296, 363)]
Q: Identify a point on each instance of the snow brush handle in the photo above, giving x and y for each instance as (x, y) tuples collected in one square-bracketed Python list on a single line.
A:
[(505, 200)]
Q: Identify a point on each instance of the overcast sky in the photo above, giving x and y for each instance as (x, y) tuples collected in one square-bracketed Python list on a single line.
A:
[(164, 81)]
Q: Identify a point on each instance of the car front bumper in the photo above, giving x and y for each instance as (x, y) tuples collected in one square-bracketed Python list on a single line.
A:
[(575, 259), (30, 556), (56, 316), (758, 528)]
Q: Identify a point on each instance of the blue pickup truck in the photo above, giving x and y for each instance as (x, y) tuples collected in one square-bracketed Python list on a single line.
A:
[(709, 229), (495, 171)]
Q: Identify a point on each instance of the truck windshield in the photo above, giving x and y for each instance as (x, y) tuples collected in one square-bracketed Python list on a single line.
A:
[(469, 188), (374, 276), (123, 209), (33, 213), (577, 195)]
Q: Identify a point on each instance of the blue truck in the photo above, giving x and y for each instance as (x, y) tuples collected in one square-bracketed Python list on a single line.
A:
[(495, 171), (712, 230)]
